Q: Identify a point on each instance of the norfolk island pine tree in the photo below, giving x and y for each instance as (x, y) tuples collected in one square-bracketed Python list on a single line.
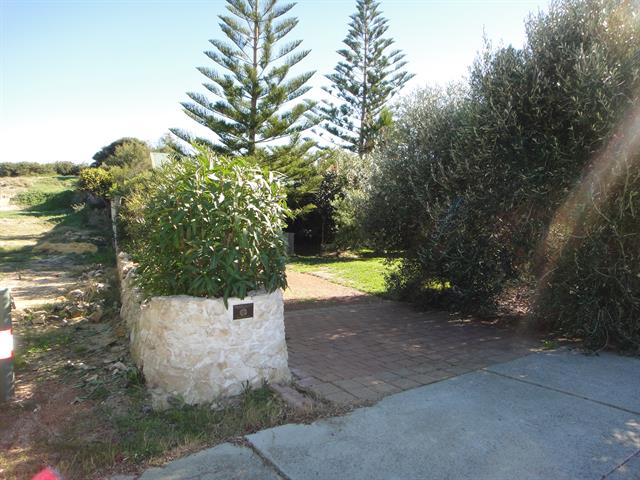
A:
[(363, 82)]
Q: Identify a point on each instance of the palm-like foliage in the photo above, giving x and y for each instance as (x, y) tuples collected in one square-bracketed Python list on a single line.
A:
[(256, 99), (364, 81)]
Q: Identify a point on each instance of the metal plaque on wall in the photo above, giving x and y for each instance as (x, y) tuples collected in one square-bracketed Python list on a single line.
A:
[(242, 310)]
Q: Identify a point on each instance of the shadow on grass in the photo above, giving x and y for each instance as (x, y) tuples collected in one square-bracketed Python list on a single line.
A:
[(346, 257), (46, 202), (85, 223)]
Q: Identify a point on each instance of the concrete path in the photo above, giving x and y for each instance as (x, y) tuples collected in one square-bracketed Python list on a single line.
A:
[(558, 415), (224, 462)]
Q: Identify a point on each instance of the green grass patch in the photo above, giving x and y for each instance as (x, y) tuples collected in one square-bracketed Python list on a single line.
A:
[(144, 435), (141, 435), (45, 202), (48, 194), (365, 273), (34, 343), (105, 255)]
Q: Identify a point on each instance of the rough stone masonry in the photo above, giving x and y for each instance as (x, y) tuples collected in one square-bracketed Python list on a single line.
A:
[(192, 348)]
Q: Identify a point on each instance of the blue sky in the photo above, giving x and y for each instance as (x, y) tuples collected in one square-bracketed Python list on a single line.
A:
[(78, 74)]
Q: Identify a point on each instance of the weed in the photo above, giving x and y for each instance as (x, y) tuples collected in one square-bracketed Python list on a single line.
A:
[(45, 341), (100, 392), (135, 378), (549, 344), (19, 361)]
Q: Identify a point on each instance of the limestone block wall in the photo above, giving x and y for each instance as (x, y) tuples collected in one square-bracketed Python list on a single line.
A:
[(192, 348)]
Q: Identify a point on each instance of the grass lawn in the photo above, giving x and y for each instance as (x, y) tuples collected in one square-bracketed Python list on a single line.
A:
[(365, 272), (43, 194)]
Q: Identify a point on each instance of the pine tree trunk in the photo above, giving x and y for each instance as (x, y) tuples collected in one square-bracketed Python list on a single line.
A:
[(254, 92), (363, 113)]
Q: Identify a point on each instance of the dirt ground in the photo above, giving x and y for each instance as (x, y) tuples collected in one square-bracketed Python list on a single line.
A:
[(57, 292), (35, 248)]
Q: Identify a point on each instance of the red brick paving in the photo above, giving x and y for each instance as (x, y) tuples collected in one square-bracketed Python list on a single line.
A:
[(357, 353), (308, 291)]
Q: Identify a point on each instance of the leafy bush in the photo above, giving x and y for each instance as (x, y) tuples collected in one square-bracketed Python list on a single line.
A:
[(590, 282), (330, 189), (212, 229), (97, 181), (116, 165), (22, 169), (19, 169), (472, 181), (134, 193), (347, 216), (124, 151), (130, 154), (67, 168), (342, 198)]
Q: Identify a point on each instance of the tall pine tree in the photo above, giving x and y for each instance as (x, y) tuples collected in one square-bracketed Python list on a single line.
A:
[(255, 98), (364, 81)]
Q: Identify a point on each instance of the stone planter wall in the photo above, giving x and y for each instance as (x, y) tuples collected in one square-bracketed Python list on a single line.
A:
[(192, 348)]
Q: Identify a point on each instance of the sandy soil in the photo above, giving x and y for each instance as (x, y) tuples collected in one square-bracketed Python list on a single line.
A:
[(51, 332), (36, 279)]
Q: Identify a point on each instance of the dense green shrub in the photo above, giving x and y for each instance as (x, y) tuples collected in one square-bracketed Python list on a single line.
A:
[(18, 169), (330, 189), (471, 180), (97, 181), (212, 228), (408, 170), (21, 169), (116, 166), (311, 185), (590, 282), (121, 152), (347, 217), (134, 194), (348, 205), (67, 168), (134, 155)]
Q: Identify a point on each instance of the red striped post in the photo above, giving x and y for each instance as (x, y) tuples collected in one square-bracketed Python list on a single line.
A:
[(6, 346)]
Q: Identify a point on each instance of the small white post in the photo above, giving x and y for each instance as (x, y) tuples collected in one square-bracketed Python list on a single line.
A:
[(6, 346)]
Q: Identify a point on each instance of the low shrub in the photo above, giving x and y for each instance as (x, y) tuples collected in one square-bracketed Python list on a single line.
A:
[(212, 228), (67, 168), (97, 181), (347, 216), (22, 169), (134, 193)]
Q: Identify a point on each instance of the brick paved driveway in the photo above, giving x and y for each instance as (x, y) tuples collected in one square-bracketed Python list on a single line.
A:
[(362, 352)]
